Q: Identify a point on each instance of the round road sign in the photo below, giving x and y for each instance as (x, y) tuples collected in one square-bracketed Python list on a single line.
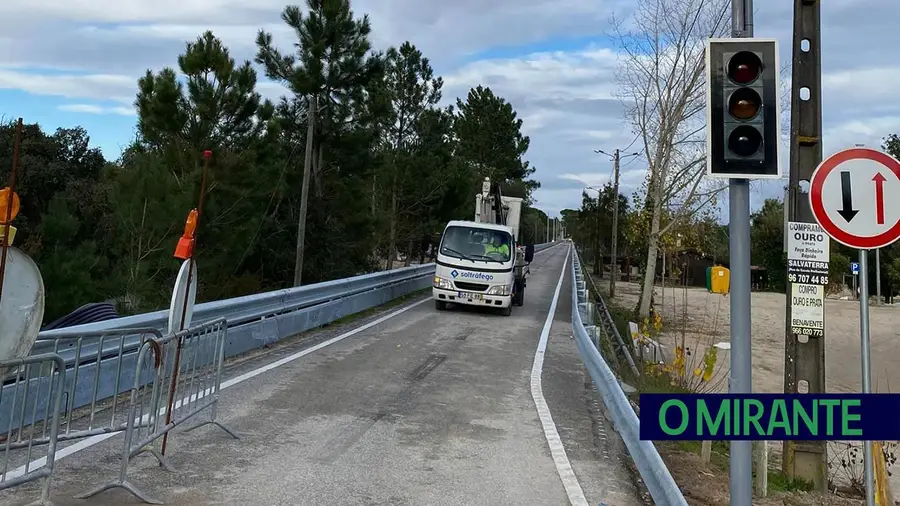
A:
[(853, 195)]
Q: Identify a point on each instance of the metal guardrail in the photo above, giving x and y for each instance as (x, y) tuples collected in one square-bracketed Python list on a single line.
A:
[(609, 327), (253, 308), (653, 470), (254, 321)]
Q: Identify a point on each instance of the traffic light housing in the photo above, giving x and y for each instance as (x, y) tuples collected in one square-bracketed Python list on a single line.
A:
[(743, 109)]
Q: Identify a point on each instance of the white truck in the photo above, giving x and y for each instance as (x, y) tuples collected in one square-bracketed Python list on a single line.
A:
[(480, 262)]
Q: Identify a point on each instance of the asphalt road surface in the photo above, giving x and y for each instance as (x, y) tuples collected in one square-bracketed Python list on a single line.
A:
[(424, 407)]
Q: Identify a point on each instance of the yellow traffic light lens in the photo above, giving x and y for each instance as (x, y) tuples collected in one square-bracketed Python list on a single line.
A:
[(744, 104), (4, 201), (744, 67), (745, 141)]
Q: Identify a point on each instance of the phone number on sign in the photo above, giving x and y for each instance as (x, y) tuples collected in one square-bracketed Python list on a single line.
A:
[(807, 332), (812, 279)]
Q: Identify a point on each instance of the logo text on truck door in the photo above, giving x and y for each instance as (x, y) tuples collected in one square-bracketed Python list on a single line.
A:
[(472, 275)]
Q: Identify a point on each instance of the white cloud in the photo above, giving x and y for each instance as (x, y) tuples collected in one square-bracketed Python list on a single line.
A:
[(98, 48), (118, 88), (271, 90), (97, 109), (593, 179)]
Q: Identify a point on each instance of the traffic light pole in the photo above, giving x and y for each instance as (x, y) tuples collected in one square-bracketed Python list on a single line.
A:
[(804, 362), (741, 455)]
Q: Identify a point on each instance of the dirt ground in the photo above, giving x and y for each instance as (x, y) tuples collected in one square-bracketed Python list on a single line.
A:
[(707, 484), (703, 319), (708, 315)]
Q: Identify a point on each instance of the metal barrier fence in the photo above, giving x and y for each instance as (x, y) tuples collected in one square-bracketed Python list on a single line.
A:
[(186, 366), (22, 400), (172, 380), (656, 476)]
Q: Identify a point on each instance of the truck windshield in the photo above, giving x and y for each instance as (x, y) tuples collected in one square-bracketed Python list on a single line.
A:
[(477, 244)]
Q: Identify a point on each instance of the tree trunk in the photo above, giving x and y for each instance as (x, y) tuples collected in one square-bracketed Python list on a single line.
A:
[(392, 235), (409, 253), (317, 172), (423, 245), (304, 191), (374, 191), (652, 253)]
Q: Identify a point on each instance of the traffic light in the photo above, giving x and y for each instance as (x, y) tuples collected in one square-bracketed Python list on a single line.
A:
[(743, 109)]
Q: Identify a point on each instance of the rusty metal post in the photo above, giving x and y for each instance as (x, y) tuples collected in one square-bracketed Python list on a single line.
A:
[(178, 345)]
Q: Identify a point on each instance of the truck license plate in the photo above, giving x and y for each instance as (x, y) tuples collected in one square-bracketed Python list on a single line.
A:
[(471, 296)]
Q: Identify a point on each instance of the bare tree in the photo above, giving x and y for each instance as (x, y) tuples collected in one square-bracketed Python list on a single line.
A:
[(661, 78)]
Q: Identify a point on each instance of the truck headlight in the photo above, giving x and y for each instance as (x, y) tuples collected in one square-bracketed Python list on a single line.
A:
[(499, 290), (442, 283)]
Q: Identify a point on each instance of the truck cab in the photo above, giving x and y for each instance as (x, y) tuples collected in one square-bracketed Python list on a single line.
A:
[(480, 262)]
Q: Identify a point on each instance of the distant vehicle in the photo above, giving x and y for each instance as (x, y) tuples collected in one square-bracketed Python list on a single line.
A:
[(480, 262)]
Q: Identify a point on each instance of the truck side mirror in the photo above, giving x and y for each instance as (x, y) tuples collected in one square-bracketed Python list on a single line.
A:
[(529, 252)]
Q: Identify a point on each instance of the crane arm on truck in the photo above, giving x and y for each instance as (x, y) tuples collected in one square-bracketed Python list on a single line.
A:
[(493, 207)]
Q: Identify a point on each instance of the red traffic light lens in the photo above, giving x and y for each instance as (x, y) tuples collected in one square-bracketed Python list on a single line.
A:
[(744, 67), (744, 104), (745, 141)]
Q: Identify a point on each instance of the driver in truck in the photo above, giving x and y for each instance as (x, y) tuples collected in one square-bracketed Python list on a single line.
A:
[(497, 245)]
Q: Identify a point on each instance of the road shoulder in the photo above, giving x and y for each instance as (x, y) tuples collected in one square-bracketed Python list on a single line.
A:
[(595, 450)]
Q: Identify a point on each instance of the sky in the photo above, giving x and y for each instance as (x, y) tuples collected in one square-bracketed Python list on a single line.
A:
[(76, 62)]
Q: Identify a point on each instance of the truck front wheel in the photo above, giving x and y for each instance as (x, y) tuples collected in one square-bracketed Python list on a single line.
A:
[(519, 297), (440, 305), (507, 310)]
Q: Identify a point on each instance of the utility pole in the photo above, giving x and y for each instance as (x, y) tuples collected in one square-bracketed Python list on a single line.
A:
[(613, 253), (614, 262), (804, 362), (598, 257), (548, 227)]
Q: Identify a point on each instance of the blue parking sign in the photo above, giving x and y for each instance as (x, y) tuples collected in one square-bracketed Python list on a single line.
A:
[(854, 267)]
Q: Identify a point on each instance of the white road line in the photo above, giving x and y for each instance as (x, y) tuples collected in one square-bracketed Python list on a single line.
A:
[(557, 450), (93, 440)]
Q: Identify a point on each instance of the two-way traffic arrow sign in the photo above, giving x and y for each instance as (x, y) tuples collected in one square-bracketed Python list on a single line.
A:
[(851, 208)]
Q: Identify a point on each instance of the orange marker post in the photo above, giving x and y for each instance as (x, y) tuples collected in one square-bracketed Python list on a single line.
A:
[(9, 205)]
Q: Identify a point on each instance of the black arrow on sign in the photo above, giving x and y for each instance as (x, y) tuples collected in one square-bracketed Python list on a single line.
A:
[(847, 196)]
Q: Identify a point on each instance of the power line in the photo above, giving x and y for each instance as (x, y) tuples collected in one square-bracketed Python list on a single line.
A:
[(636, 137)]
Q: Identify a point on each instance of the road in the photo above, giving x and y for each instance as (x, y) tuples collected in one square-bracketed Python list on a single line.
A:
[(421, 407)]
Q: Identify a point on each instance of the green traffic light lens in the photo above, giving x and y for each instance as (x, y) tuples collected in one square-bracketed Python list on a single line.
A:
[(744, 141), (744, 67), (744, 104)]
